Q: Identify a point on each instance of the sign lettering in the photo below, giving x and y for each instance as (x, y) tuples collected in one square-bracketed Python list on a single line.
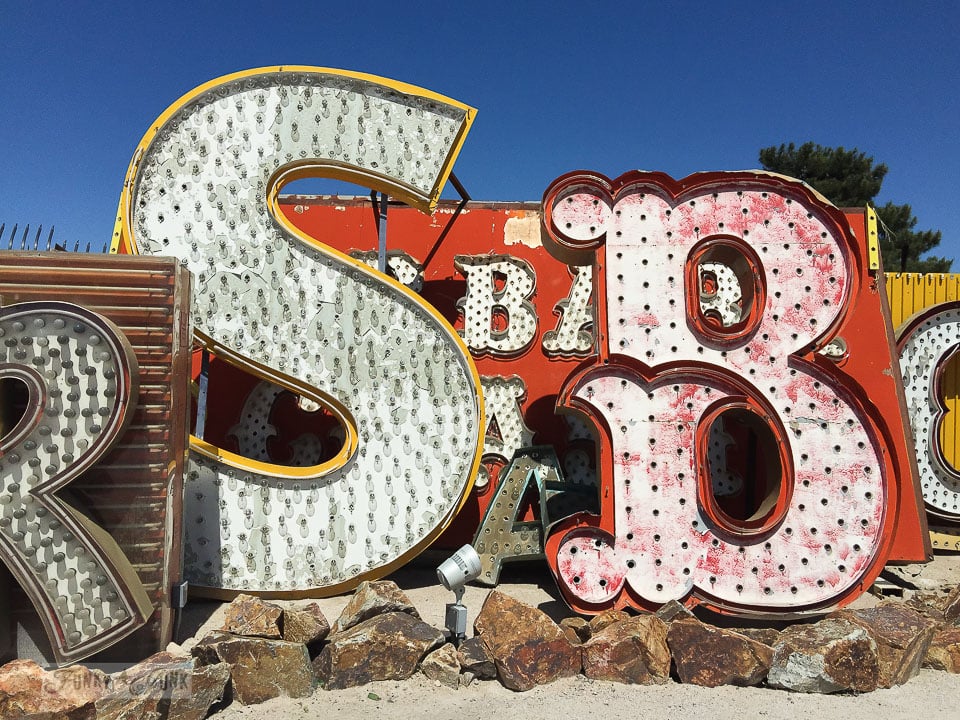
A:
[(928, 345), (204, 187), (79, 378), (714, 293)]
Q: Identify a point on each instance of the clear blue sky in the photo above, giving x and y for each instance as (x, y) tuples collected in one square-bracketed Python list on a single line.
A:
[(677, 87)]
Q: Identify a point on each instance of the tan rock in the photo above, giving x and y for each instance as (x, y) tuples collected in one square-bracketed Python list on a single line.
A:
[(208, 686), (606, 619), (711, 656), (443, 666), (26, 689), (944, 651), (160, 660), (385, 647), (79, 685), (833, 655), (370, 599), (252, 617), (902, 635), (576, 629), (305, 624), (633, 650), (527, 647), (139, 691), (165, 685), (260, 668), (22, 685)]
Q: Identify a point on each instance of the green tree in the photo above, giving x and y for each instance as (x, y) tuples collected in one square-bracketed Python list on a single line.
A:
[(901, 246), (850, 178)]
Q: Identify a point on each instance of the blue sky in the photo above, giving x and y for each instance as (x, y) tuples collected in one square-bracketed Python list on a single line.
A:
[(677, 87)]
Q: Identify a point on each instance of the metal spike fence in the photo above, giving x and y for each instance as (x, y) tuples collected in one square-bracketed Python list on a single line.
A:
[(17, 239)]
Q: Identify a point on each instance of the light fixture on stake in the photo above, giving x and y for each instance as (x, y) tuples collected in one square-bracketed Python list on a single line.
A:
[(454, 573)]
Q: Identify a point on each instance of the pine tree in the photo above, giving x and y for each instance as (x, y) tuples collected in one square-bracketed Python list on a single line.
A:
[(901, 246), (850, 178)]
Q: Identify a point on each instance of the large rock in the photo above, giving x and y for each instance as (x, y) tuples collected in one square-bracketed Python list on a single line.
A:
[(27, 690), (21, 688), (165, 686), (305, 624), (629, 651), (527, 647), (944, 651), (373, 598), (252, 617), (385, 647), (833, 655), (902, 636), (443, 666), (712, 656), (927, 603), (260, 669)]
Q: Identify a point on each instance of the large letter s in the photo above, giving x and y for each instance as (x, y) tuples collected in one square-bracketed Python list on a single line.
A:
[(203, 186)]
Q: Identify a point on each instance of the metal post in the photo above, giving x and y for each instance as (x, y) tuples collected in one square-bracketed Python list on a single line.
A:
[(382, 235), (202, 394)]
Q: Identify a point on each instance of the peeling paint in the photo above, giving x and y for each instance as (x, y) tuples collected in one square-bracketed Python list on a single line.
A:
[(523, 230)]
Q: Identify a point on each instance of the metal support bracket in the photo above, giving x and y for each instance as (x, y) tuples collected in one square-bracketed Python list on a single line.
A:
[(464, 199)]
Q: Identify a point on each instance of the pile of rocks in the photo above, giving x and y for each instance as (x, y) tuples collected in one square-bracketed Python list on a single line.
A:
[(162, 686), (264, 651)]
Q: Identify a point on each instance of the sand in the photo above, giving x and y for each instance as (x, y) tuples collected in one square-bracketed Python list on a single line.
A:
[(929, 696)]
